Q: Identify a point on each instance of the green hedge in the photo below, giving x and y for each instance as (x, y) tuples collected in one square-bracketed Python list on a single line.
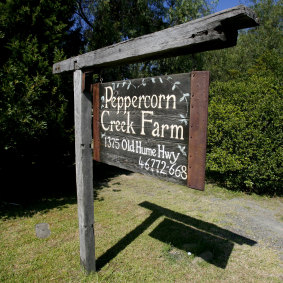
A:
[(245, 134)]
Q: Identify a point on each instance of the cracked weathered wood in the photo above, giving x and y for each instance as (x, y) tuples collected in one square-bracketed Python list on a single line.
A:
[(84, 174), (215, 31)]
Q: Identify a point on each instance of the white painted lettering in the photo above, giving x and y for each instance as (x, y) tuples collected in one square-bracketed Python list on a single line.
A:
[(168, 100), (102, 120), (108, 98), (145, 120), (130, 125), (164, 126), (177, 128), (160, 100), (154, 101)]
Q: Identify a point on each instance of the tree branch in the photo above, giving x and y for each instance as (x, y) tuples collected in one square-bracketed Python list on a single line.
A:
[(80, 12)]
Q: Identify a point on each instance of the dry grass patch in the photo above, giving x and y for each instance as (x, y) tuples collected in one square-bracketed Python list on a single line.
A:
[(146, 230)]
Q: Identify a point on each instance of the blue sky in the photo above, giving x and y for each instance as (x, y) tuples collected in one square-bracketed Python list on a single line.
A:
[(225, 4)]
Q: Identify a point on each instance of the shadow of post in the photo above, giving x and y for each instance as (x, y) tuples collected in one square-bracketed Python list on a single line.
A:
[(183, 232), (124, 242)]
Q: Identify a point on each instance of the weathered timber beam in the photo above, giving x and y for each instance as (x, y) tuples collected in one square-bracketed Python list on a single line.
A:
[(215, 31), (84, 173)]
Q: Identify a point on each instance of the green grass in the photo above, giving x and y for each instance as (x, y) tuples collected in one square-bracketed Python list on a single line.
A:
[(144, 229)]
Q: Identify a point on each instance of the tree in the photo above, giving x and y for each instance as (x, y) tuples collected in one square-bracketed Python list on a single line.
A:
[(245, 110), (108, 22), (258, 49), (34, 121)]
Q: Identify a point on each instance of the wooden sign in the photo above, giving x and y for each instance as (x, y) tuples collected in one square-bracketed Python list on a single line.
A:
[(155, 126), (149, 137)]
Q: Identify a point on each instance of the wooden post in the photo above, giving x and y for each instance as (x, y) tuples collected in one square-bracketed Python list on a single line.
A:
[(84, 173)]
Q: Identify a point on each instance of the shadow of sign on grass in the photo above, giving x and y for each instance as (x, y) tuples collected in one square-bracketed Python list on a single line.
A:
[(210, 248), (182, 232)]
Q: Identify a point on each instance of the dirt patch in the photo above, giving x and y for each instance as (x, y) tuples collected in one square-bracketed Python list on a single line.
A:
[(258, 218), (254, 219)]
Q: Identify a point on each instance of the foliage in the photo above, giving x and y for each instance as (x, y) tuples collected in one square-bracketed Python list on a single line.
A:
[(258, 48), (33, 102), (245, 111), (245, 133), (108, 22)]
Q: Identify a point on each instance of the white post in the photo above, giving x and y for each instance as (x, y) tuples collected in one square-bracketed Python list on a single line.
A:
[(84, 173)]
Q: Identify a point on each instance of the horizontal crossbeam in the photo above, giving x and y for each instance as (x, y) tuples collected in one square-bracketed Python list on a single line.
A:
[(215, 31)]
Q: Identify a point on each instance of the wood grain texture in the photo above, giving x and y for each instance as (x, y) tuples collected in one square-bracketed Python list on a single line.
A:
[(84, 175), (215, 31), (144, 125), (96, 136), (126, 163), (198, 129)]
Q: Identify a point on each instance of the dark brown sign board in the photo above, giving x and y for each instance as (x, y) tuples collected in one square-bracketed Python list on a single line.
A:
[(155, 126)]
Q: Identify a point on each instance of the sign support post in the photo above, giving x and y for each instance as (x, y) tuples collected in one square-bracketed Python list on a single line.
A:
[(84, 170), (198, 129)]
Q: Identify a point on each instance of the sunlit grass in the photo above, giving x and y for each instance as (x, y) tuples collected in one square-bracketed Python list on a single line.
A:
[(142, 245)]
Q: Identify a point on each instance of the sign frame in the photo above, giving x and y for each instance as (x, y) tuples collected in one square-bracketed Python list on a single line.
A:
[(197, 129)]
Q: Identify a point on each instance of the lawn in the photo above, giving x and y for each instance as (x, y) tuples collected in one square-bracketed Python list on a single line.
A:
[(146, 230)]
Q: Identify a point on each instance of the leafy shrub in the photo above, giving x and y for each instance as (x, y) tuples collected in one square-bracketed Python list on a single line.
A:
[(33, 102), (245, 134)]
